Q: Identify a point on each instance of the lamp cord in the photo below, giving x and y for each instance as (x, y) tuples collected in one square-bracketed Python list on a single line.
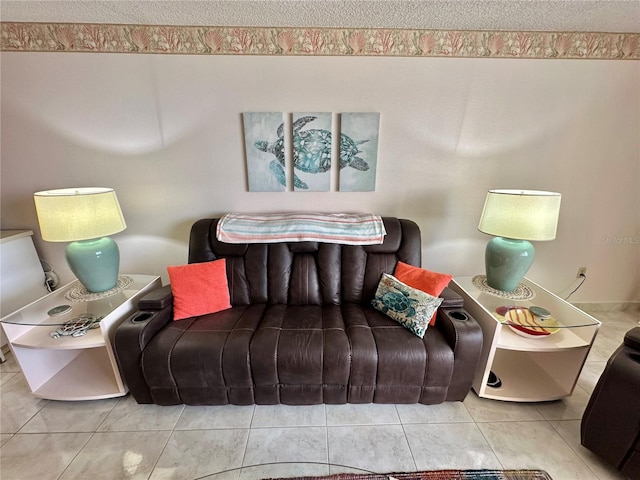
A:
[(584, 277), (51, 280), (45, 265)]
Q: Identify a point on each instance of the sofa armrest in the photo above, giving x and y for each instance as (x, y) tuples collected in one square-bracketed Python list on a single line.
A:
[(464, 335), (610, 423), (131, 338), (632, 338), (451, 298), (156, 299)]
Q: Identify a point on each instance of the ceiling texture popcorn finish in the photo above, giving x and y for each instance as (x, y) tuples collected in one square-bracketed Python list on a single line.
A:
[(494, 29), (513, 15)]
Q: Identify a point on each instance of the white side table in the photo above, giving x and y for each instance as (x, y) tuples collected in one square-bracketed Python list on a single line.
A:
[(73, 368), (530, 369)]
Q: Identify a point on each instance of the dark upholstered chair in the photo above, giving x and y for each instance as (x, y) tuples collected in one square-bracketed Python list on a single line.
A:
[(611, 422)]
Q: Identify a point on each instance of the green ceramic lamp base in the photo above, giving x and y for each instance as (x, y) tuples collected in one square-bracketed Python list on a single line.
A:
[(507, 261), (95, 262)]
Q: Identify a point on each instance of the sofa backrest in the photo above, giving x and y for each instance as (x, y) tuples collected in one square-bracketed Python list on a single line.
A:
[(306, 273)]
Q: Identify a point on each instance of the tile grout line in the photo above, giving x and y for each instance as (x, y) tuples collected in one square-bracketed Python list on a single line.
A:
[(166, 443), (495, 454), (404, 432), (570, 446), (246, 444), (326, 433), (76, 455)]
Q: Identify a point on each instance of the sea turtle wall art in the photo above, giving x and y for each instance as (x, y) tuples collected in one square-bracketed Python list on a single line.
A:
[(312, 155), (311, 139), (257, 126), (359, 133)]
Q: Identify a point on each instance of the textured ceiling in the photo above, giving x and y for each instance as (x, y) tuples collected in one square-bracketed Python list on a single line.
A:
[(533, 15)]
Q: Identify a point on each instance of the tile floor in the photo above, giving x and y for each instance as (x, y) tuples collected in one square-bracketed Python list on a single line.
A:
[(119, 439)]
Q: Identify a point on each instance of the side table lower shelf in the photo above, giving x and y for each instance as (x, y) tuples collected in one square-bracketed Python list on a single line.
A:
[(74, 381), (529, 376)]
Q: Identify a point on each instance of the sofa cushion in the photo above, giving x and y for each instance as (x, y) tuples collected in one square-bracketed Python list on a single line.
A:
[(299, 355), (430, 282), (199, 288), (410, 307)]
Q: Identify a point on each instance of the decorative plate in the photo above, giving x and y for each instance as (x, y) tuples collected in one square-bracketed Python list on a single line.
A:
[(521, 321)]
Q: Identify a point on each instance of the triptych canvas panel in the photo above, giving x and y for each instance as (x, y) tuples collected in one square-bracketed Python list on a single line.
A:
[(300, 155), (312, 152), (264, 146), (358, 151)]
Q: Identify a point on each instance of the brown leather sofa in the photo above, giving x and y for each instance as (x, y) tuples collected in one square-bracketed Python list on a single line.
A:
[(611, 422), (301, 331)]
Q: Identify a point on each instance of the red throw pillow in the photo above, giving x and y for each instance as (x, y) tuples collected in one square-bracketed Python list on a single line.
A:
[(199, 288), (430, 282)]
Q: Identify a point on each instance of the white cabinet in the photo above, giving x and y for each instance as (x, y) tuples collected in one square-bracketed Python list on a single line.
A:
[(21, 273), (529, 369), (73, 368)]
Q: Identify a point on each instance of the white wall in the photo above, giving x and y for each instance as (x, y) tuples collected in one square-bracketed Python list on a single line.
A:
[(166, 132)]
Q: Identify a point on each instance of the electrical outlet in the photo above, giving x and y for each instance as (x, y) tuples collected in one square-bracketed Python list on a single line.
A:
[(582, 272)]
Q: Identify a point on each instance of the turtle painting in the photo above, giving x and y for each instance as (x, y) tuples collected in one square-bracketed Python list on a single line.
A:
[(311, 152)]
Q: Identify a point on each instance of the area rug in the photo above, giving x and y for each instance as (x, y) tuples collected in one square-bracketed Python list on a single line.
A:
[(441, 475)]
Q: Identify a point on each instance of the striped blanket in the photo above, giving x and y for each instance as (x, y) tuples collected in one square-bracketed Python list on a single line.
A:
[(344, 228)]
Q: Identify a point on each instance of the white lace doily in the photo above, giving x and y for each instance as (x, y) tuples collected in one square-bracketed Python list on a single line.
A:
[(80, 294), (522, 292)]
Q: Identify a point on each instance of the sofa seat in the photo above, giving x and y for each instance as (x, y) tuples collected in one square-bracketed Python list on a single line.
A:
[(297, 355)]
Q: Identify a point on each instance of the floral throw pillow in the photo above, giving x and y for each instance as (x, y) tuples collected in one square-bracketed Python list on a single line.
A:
[(408, 306)]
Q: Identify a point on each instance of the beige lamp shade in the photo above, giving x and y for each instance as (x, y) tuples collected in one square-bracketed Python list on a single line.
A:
[(521, 214), (72, 214)]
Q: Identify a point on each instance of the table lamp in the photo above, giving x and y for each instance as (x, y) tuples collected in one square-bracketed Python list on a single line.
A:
[(84, 217), (515, 217)]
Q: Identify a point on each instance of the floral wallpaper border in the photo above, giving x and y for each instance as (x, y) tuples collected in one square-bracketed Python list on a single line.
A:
[(198, 40)]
